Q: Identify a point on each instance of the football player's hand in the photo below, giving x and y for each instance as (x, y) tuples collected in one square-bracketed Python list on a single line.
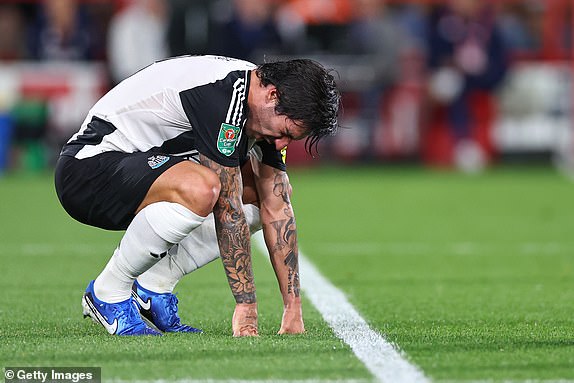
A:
[(244, 322), (292, 322)]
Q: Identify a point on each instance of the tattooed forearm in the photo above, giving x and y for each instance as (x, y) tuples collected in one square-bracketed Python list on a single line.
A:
[(285, 234), (291, 261), (287, 238), (281, 186), (278, 227), (233, 232)]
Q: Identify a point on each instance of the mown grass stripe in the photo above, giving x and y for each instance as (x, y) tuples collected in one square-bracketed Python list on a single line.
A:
[(321, 381), (238, 381), (508, 381)]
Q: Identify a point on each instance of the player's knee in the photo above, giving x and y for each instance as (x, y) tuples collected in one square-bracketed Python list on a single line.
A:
[(207, 192), (201, 193), (212, 187)]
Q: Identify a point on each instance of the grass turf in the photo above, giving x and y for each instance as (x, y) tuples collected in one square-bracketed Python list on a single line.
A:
[(470, 276), (47, 260)]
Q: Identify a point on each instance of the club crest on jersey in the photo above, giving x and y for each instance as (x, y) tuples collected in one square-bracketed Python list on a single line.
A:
[(155, 162), (227, 139)]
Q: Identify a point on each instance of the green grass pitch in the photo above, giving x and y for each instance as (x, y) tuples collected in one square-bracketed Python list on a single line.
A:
[(471, 276)]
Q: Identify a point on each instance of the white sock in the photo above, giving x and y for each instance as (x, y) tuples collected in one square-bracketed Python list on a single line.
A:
[(194, 251), (154, 230)]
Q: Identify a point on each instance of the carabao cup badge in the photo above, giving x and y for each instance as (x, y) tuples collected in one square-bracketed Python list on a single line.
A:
[(227, 139)]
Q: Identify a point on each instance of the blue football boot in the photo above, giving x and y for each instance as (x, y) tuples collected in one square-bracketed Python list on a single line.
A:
[(160, 309), (120, 318)]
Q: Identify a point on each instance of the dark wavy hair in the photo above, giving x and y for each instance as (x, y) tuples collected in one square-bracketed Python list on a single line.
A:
[(307, 94)]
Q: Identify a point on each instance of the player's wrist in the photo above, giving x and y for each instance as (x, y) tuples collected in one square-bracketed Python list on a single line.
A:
[(246, 298), (291, 302)]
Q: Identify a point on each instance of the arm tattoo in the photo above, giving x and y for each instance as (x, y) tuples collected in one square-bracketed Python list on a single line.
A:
[(280, 186), (278, 226), (286, 231), (233, 232)]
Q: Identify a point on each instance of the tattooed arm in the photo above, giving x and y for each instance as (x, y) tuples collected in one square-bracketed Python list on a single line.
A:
[(233, 238), (280, 234)]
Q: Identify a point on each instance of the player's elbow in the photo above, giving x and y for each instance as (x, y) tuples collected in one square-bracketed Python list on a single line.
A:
[(289, 189), (287, 185)]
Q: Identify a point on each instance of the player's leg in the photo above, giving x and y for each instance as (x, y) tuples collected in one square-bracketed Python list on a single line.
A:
[(176, 203), (169, 202), (200, 247), (153, 290)]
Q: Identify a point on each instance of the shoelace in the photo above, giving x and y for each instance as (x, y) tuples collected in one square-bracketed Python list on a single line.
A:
[(173, 319), (171, 306), (130, 313)]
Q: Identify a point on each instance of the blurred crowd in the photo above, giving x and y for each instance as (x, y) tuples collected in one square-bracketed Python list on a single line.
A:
[(447, 56), (130, 33)]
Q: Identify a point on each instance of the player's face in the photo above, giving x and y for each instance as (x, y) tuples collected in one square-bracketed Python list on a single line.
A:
[(279, 131), (264, 124)]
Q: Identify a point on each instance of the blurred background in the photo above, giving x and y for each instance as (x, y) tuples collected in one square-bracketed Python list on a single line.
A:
[(456, 84)]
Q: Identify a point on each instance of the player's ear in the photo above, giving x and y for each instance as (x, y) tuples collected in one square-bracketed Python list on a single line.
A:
[(272, 95)]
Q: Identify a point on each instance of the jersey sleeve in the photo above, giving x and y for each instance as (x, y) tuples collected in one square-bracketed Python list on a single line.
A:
[(217, 112), (271, 156), (266, 153)]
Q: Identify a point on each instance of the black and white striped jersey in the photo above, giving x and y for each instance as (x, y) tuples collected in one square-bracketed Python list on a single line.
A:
[(180, 106)]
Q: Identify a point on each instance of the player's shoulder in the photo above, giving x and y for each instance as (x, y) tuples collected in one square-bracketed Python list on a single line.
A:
[(188, 72), (207, 62)]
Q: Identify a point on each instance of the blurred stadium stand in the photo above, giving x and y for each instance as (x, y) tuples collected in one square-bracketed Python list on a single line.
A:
[(56, 59)]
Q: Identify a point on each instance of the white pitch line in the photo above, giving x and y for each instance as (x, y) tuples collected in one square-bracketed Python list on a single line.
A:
[(381, 358)]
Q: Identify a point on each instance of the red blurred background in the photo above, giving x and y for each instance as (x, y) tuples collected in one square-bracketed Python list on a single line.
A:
[(461, 84)]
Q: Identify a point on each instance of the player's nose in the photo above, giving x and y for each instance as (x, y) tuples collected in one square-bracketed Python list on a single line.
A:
[(282, 142)]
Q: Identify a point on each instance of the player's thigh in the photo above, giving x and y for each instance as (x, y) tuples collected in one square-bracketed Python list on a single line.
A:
[(106, 190)]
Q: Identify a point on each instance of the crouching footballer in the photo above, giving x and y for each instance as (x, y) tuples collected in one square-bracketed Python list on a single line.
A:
[(187, 156)]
